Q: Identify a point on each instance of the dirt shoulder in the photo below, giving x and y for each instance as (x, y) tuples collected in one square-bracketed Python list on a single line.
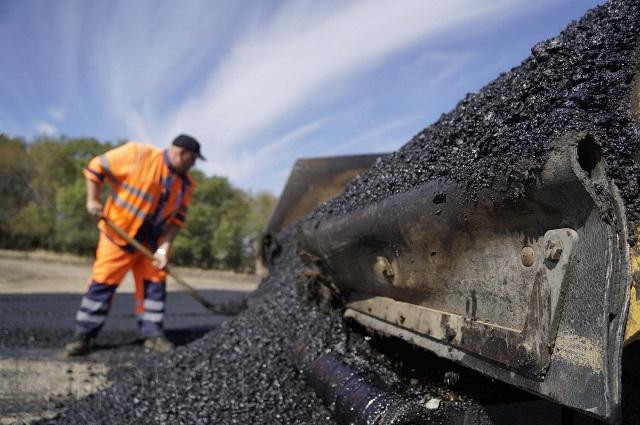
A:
[(47, 272)]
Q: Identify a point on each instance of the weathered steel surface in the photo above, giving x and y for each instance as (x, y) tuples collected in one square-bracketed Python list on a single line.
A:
[(313, 181), (448, 273)]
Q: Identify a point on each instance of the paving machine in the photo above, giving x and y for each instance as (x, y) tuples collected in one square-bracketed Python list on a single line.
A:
[(536, 286), (532, 290)]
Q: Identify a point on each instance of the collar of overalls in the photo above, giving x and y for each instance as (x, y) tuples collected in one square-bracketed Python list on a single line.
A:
[(165, 157)]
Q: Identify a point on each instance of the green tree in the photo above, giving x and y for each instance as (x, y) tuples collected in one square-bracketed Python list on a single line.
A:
[(231, 243), (58, 187), (192, 244), (262, 206), (81, 150), (15, 174), (30, 227), (75, 229), (51, 168), (214, 191)]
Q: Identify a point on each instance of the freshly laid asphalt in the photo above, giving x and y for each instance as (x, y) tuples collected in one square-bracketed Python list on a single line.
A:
[(37, 379), (49, 312)]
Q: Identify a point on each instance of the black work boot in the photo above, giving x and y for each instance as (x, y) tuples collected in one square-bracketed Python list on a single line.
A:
[(78, 346)]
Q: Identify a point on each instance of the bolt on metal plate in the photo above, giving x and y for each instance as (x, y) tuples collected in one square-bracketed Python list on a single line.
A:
[(528, 256)]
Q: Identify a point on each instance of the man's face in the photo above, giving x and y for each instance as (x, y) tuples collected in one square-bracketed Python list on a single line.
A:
[(186, 159)]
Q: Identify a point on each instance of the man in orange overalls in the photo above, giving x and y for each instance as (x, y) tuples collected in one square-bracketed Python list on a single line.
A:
[(151, 191)]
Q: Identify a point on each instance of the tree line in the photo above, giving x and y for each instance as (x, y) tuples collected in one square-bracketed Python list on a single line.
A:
[(42, 205)]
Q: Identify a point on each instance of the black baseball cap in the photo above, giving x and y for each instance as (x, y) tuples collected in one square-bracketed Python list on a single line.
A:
[(188, 143)]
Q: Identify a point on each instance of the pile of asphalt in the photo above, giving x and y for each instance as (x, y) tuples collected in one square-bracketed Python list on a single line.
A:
[(499, 137), (239, 374), (244, 371)]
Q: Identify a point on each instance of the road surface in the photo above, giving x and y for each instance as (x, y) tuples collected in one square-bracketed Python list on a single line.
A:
[(39, 296)]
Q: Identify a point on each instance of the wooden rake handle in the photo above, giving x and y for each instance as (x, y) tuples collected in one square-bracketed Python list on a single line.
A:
[(145, 251)]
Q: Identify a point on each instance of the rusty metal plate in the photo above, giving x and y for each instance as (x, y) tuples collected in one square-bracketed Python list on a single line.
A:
[(531, 290), (313, 181)]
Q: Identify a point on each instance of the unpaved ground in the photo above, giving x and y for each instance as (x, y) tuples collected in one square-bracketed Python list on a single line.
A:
[(38, 272), (39, 295)]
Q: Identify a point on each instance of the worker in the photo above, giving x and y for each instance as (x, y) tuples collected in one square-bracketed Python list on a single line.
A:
[(151, 191)]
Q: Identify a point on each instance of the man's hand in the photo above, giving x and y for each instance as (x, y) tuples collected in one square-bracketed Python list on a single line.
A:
[(160, 258), (94, 207)]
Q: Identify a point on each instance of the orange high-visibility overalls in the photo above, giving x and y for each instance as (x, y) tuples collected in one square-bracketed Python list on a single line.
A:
[(147, 195)]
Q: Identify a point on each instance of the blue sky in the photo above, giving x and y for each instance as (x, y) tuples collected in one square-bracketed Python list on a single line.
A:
[(259, 83)]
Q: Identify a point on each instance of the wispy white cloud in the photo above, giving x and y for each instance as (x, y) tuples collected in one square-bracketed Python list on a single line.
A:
[(57, 113), (250, 163), (240, 76), (284, 64), (145, 53), (452, 67), (45, 128), (370, 136)]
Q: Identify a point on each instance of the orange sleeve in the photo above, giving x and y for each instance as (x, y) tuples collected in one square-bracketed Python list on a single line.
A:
[(93, 171), (114, 165)]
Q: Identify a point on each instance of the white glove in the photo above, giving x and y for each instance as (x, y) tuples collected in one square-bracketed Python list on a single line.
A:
[(160, 258)]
